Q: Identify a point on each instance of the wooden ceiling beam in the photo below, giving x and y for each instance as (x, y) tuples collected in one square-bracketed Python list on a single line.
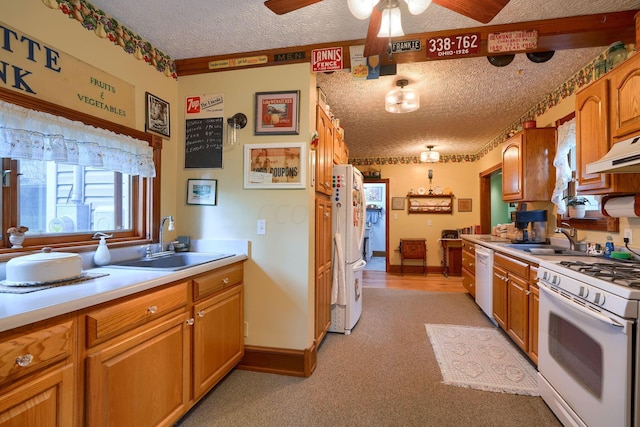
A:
[(553, 34)]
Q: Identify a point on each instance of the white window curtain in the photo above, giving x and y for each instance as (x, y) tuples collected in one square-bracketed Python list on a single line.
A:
[(566, 143), (33, 135)]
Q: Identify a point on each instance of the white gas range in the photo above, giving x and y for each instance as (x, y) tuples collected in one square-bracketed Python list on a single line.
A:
[(588, 346)]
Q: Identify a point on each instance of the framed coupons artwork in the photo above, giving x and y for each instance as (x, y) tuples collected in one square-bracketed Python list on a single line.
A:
[(277, 113), (280, 165)]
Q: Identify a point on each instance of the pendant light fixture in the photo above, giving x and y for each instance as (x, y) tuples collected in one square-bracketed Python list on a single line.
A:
[(430, 156), (401, 100)]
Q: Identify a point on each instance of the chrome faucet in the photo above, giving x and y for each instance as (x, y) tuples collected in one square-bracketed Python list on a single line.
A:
[(170, 227), (571, 234)]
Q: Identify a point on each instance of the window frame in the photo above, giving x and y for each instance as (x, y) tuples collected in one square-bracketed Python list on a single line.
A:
[(145, 211), (594, 220)]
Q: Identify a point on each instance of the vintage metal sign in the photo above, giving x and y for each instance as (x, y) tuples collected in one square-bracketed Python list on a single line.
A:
[(328, 59), (238, 62), (453, 46), (512, 41), (406, 46)]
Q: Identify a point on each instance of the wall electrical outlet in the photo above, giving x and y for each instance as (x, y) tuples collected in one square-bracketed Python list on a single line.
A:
[(262, 226), (628, 234), (429, 222), (395, 216)]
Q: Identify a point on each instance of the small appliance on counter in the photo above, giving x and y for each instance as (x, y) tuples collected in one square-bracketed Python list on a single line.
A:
[(531, 226)]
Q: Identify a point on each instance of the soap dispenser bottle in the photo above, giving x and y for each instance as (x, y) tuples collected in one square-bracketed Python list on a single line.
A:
[(102, 255)]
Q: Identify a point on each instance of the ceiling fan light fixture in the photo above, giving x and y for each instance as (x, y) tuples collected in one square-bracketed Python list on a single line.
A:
[(429, 156), (391, 24), (416, 7), (401, 100), (361, 9)]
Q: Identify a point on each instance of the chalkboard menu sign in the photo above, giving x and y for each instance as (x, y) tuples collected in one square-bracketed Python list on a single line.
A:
[(203, 143)]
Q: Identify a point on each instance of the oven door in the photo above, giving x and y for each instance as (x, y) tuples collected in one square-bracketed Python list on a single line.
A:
[(585, 358)]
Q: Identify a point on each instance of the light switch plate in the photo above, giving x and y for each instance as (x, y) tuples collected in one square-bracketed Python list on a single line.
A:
[(262, 226)]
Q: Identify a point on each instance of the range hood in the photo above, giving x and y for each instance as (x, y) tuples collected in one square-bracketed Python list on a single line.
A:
[(624, 157)]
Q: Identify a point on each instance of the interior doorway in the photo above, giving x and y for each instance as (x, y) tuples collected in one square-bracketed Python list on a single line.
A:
[(376, 244), (493, 210)]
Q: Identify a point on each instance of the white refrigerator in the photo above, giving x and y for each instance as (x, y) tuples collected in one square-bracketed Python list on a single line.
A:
[(348, 236)]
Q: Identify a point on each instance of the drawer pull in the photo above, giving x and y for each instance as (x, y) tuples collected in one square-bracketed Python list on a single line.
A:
[(152, 309), (24, 360), (191, 321), (201, 313), (225, 280)]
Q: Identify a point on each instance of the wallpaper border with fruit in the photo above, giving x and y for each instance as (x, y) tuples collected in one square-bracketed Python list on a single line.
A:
[(104, 26)]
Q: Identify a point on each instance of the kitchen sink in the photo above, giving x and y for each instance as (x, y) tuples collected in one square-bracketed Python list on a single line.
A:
[(545, 249), (171, 262)]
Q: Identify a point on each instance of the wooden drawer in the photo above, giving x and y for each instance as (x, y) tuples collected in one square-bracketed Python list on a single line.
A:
[(469, 247), (216, 280), (113, 319), (513, 265), (468, 261), (27, 352)]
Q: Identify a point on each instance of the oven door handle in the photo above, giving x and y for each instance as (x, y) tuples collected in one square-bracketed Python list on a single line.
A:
[(580, 308)]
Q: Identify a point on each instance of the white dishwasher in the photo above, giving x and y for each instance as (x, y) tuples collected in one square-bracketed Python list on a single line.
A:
[(484, 280)]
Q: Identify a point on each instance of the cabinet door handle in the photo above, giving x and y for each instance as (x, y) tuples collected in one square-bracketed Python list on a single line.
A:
[(24, 360), (152, 309), (527, 292), (201, 313), (225, 280), (191, 321)]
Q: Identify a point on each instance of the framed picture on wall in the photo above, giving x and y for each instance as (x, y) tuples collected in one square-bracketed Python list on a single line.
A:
[(277, 113), (278, 165), (464, 205), (202, 192), (397, 203), (157, 116)]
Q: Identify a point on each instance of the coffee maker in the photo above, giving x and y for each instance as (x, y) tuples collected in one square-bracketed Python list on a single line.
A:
[(531, 226)]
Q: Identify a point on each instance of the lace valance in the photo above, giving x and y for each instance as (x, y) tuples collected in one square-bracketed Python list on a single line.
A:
[(34, 135)]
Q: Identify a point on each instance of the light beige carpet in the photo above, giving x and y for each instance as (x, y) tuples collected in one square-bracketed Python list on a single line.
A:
[(481, 358)]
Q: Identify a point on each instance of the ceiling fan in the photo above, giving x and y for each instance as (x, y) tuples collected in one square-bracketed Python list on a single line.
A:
[(480, 10)]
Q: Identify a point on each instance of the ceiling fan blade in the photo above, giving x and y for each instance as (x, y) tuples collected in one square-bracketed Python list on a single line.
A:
[(480, 10), (375, 45), (280, 7)]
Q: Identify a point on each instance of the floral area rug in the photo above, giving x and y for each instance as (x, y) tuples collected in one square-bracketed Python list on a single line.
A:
[(481, 358)]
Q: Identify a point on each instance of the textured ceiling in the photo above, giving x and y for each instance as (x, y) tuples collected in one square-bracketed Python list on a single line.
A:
[(465, 103)]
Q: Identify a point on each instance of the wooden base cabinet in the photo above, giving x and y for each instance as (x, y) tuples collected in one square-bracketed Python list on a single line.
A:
[(469, 267), (141, 379), (516, 301), (46, 400), (38, 374), (323, 266), (218, 337)]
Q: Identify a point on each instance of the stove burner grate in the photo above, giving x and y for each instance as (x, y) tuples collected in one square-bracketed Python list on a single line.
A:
[(625, 274)]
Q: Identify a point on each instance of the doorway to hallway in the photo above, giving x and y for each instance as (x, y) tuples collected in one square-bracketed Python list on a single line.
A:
[(376, 247)]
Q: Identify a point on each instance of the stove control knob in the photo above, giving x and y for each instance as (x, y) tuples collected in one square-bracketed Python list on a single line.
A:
[(555, 280), (583, 292), (598, 299)]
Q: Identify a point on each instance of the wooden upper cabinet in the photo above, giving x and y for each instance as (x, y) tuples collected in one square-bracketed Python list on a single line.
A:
[(324, 152), (527, 165), (625, 99), (607, 111), (592, 135)]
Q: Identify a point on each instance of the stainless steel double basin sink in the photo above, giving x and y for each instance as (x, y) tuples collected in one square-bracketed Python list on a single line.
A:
[(170, 262), (545, 249)]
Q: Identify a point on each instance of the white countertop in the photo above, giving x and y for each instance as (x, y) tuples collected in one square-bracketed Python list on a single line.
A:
[(501, 245), (21, 309)]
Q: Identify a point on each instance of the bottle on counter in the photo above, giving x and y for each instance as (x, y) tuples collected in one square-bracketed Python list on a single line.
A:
[(608, 247)]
